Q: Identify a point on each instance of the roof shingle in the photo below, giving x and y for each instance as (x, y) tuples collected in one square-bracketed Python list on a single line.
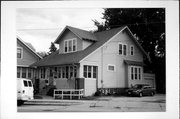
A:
[(75, 57)]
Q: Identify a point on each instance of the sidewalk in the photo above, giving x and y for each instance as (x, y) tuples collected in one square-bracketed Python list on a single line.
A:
[(155, 103), (49, 100)]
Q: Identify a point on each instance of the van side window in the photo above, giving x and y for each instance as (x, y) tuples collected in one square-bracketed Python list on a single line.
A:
[(25, 83), (30, 84)]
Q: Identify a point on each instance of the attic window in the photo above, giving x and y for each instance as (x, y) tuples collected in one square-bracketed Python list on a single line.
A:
[(19, 52), (122, 49), (70, 45), (132, 50)]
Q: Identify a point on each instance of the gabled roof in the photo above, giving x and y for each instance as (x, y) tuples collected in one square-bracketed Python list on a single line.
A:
[(82, 34), (29, 46), (129, 62), (75, 57)]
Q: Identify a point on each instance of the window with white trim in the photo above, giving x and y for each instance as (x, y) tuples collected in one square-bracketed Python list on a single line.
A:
[(136, 73), (70, 45), (42, 70), (18, 72), (23, 72), (90, 71), (19, 52), (68, 71), (132, 50), (122, 49), (65, 46), (111, 67), (29, 73)]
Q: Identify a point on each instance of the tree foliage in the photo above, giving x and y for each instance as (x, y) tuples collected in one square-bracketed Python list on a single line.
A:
[(148, 25), (52, 48)]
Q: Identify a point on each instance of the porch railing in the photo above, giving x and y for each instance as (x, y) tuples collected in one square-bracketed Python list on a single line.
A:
[(71, 93)]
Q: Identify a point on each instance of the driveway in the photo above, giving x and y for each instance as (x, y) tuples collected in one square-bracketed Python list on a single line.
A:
[(156, 103)]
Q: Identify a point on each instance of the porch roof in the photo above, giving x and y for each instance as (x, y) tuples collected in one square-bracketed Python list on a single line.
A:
[(130, 62)]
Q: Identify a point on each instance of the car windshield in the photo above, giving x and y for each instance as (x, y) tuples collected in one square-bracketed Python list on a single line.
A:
[(137, 86)]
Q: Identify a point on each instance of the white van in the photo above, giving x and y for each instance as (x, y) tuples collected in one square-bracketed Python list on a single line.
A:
[(25, 90)]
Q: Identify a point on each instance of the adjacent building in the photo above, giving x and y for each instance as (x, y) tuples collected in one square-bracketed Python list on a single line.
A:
[(26, 56)]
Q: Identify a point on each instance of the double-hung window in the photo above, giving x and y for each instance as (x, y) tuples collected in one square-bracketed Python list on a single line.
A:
[(65, 46), (23, 72), (19, 52), (90, 71), (136, 73), (70, 45), (74, 45), (132, 50), (122, 49)]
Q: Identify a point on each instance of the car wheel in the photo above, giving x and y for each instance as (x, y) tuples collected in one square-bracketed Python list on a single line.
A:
[(20, 102), (152, 93), (140, 94)]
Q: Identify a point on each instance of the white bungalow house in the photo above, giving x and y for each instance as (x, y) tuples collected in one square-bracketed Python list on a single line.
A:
[(26, 56), (110, 60)]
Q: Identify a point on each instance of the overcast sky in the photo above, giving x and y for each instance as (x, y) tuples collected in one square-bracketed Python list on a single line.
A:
[(41, 26)]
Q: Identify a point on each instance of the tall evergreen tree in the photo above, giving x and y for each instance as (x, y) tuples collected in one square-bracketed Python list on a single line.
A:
[(148, 25), (52, 48)]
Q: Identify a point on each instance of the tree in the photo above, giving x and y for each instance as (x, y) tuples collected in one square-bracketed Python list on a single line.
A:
[(52, 48), (43, 54), (148, 24)]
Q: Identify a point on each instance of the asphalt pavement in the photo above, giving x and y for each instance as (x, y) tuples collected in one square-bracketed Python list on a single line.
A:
[(155, 103)]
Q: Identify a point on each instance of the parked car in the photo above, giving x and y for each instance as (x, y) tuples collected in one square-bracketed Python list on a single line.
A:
[(141, 90), (25, 90)]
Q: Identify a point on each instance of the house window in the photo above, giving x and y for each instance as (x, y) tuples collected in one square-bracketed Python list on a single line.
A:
[(132, 50), (55, 72), (70, 45), (29, 73), (111, 67), (71, 71), (59, 72), (122, 49), (90, 71), (19, 52), (139, 73), (85, 71), (132, 73), (94, 72), (42, 72), (74, 45), (75, 71), (136, 73), (23, 72), (63, 72), (65, 46), (18, 72)]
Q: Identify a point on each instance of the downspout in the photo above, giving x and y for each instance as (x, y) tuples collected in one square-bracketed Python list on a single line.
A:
[(102, 67)]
